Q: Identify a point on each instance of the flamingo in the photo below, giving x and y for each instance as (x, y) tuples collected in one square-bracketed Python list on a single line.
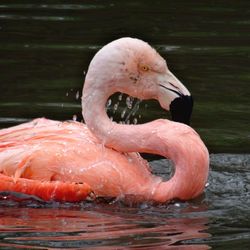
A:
[(68, 161)]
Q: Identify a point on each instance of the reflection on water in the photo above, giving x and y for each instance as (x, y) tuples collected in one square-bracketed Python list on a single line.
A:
[(100, 227)]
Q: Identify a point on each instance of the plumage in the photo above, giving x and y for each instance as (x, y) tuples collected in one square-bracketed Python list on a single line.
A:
[(103, 154)]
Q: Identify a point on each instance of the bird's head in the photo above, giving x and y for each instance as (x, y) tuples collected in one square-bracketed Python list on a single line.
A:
[(133, 67)]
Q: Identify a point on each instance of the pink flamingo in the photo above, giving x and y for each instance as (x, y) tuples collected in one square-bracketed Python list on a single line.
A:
[(65, 160)]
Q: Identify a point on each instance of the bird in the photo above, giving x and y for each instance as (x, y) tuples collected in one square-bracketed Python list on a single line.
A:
[(69, 160)]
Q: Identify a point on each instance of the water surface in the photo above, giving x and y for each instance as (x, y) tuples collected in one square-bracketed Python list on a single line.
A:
[(45, 49), (218, 219)]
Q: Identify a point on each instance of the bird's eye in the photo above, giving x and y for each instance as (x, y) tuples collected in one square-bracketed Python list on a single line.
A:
[(144, 68)]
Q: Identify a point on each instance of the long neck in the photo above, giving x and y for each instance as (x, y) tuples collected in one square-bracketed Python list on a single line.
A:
[(169, 139), (123, 138)]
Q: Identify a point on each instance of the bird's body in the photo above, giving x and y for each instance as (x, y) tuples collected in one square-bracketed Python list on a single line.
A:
[(49, 150), (103, 154)]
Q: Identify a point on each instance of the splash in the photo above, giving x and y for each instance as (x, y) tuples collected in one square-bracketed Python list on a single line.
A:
[(123, 109)]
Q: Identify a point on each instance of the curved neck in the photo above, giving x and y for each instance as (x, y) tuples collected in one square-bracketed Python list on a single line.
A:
[(121, 137), (172, 140)]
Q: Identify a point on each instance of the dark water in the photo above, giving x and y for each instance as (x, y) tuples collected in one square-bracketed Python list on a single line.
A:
[(219, 219), (45, 49)]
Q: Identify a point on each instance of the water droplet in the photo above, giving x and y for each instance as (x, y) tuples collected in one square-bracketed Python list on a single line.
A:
[(135, 120), (84, 72), (129, 102), (134, 109), (67, 93), (74, 118), (115, 107), (109, 102), (207, 184), (77, 95), (123, 113), (120, 97)]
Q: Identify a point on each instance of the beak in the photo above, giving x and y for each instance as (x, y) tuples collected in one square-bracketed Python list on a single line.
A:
[(175, 97), (181, 109)]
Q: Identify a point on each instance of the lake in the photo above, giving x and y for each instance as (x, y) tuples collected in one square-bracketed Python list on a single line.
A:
[(45, 49)]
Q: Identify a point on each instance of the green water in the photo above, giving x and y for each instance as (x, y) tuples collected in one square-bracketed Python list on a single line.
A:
[(45, 47), (45, 50)]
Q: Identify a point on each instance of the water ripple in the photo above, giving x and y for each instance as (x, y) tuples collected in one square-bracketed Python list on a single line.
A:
[(52, 6), (223, 212), (98, 229), (40, 18)]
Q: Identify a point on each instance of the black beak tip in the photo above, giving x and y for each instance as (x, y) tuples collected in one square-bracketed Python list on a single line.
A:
[(181, 109)]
